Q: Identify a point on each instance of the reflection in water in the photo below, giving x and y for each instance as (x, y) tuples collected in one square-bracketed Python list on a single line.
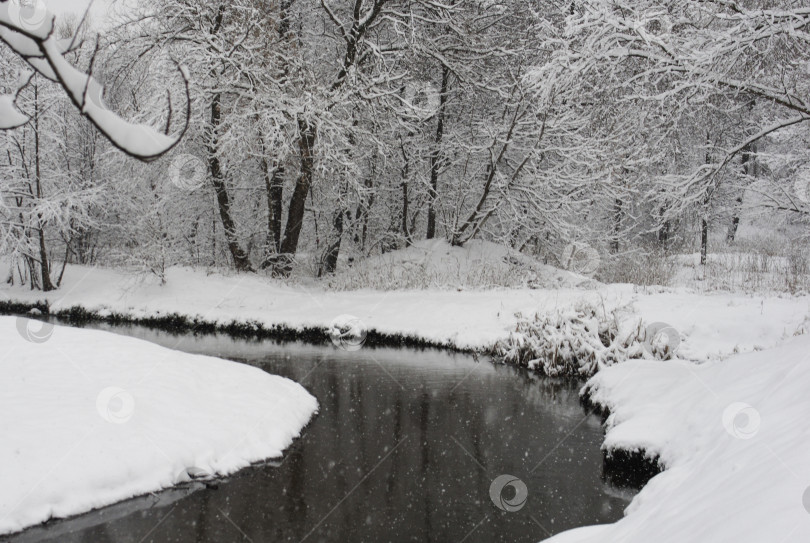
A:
[(405, 448)]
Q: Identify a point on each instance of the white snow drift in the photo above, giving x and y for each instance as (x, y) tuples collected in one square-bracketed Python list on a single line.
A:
[(88, 418), (734, 437)]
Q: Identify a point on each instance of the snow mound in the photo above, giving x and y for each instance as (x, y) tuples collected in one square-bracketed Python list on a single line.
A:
[(90, 418), (733, 436), (436, 263)]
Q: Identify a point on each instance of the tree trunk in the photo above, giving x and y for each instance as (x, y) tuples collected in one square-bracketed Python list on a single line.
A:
[(735, 224), (45, 269), (618, 216), (362, 213), (704, 240), (406, 169), (704, 221), (295, 216), (240, 259), (749, 169), (405, 231), (330, 258), (274, 186), (274, 178), (664, 235), (435, 158), (274, 202)]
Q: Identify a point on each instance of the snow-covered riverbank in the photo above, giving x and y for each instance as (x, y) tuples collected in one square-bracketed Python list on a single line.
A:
[(673, 409), (89, 418), (733, 437), (711, 325)]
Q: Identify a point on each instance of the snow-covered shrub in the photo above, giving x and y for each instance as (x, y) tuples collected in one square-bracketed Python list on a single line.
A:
[(646, 268), (788, 272), (569, 342)]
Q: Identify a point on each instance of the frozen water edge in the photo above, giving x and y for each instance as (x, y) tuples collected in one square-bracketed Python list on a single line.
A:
[(90, 418)]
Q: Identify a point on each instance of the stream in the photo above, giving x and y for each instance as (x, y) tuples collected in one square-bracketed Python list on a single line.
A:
[(406, 447)]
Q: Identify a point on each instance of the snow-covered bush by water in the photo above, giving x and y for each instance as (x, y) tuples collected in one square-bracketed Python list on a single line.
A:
[(573, 342)]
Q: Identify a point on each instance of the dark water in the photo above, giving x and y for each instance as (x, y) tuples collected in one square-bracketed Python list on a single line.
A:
[(405, 448)]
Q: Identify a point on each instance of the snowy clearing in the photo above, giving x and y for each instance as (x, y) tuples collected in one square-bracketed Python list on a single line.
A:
[(90, 418), (733, 436)]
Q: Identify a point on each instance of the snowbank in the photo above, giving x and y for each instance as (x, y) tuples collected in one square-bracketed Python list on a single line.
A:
[(733, 436), (711, 325), (88, 418), (436, 263)]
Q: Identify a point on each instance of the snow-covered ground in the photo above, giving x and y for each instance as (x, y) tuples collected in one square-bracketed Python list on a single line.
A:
[(711, 325), (734, 438), (716, 488), (89, 418)]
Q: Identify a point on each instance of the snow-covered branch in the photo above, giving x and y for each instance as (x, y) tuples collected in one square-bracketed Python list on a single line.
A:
[(35, 42)]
